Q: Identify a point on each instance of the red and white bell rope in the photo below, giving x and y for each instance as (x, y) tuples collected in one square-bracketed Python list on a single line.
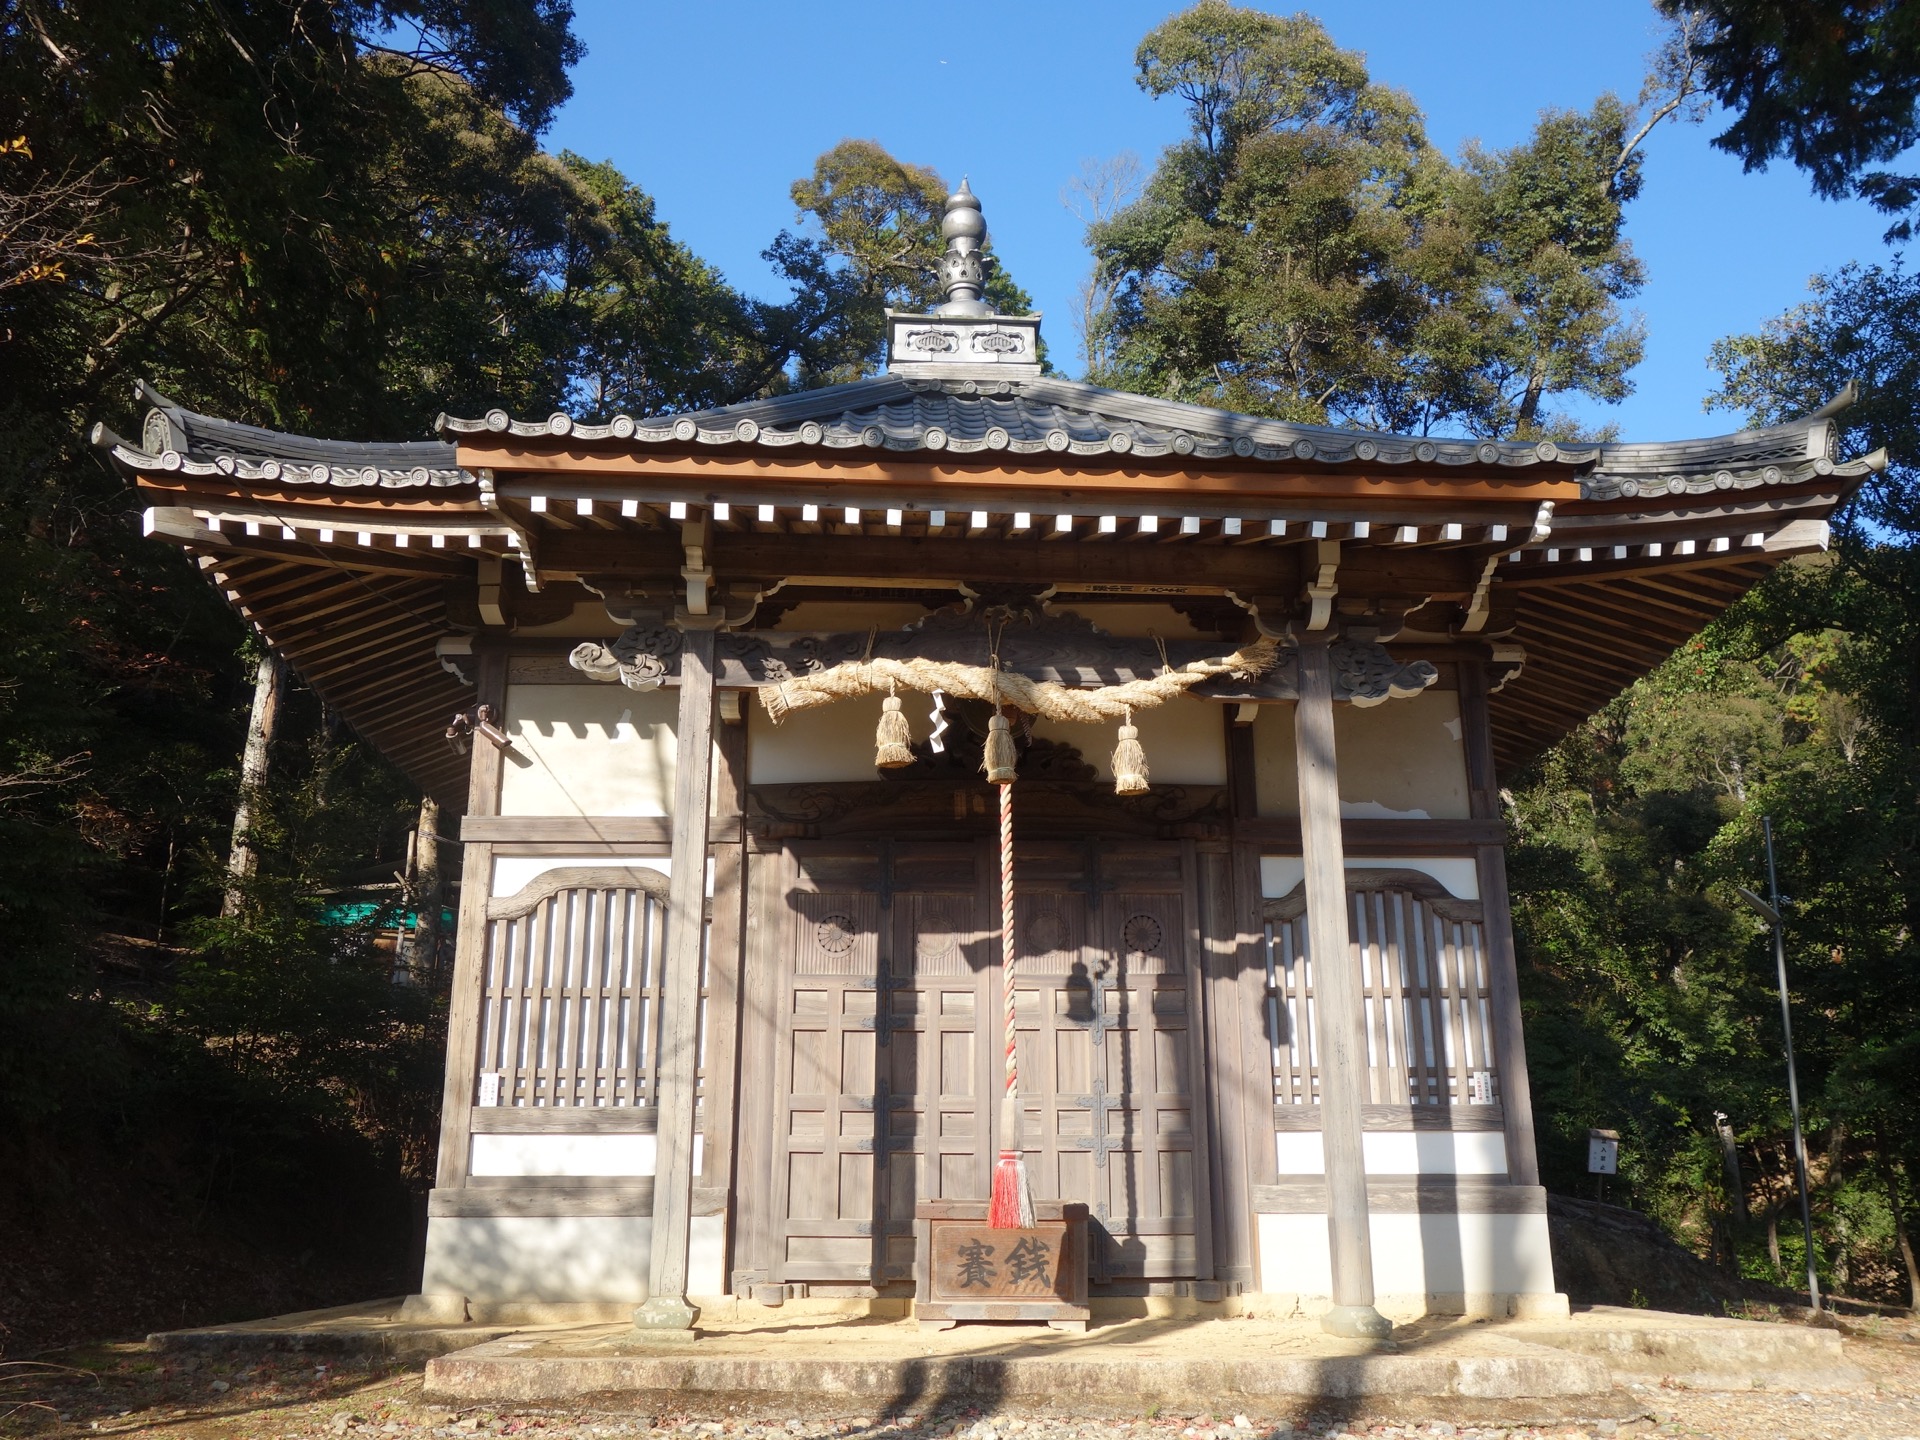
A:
[(1012, 1206)]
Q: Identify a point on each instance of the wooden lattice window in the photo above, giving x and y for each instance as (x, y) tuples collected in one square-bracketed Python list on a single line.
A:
[(570, 1010), (1422, 958)]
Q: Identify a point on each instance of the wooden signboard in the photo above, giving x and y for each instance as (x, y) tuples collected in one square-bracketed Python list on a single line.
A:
[(968, 1270)]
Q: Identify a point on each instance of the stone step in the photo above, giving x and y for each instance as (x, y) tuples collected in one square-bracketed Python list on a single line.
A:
[(523, 1371), (1701, 1352)]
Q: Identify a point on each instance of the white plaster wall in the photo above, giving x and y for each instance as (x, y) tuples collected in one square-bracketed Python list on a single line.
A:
[(1399, 1152), (1138, 621), (588, 618), (562, 1155), (1279, 874), (589, 750), (563, 1258), (1185, 741), (1438, 1255), (707, 1255), (828, 742), (1402, 760), (544, 1258), (552, 1154), (513, 873)]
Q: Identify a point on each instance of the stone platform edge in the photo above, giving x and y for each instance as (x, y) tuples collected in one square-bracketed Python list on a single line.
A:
[(503, 1371)]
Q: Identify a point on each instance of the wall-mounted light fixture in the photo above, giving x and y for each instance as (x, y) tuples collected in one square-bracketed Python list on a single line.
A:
[(481, 720)]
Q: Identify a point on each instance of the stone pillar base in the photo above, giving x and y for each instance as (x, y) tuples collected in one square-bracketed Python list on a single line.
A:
[(665, 1317), (1539, 1307), (1356, 1322)]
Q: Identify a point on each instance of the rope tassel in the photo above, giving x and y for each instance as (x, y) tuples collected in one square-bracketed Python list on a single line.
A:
[(893, 743), (1011, 1207), (1129, 761), (1000, 757)]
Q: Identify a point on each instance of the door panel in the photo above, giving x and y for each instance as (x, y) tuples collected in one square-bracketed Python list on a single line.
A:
[(881, 1100), (1109, 1050), (888, 1060)]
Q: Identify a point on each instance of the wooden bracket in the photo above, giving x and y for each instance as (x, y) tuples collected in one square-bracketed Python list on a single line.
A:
[(1480, 607), (521, 535), (1266, 611), (1506, 662), (696, 541), (455, 654), (491, 612), (1324, 585)]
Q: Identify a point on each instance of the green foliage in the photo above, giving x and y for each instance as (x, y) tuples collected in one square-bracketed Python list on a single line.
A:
[(876, 238), (273, 213), (1650, 999), (1306, 253), (334, 219), (1832, 85)]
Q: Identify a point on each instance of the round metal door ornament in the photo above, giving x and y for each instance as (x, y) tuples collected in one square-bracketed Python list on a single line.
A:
[(1142, 935), (835, 933)]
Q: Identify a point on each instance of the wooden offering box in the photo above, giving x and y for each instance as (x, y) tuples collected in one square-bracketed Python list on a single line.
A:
[(967, 1270)]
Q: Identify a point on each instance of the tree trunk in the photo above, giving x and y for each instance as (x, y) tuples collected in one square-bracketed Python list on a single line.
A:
[(1730, 1160), (422, 958), (1906, 1256), (264, 723), (1535, 392), (1903, 1238)]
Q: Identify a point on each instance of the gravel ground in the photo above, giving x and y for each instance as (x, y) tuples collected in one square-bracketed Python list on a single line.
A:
[(124, 1391)]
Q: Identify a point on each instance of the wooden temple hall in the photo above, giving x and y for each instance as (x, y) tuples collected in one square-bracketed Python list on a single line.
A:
[(712, 694)]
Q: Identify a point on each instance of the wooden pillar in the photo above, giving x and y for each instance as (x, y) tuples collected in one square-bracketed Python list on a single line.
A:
[(666, 1312), (1342, 1029), (470, 945), (1503, 973), (720, 1066)]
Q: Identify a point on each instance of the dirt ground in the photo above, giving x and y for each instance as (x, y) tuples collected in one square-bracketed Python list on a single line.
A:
[(122, 1390)]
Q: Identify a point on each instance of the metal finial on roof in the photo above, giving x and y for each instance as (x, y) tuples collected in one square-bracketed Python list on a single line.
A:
[(963, 268)]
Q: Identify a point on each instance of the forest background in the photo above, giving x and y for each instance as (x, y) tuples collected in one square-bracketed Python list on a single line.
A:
[(336, 217)]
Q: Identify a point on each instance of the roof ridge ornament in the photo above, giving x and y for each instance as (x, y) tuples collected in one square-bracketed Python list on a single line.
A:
[(963, 268), (965, 338)]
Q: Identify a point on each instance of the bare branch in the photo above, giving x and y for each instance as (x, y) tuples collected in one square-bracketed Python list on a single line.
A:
[(49, 224), (42, 775), (1673, 79), (1101, 190)]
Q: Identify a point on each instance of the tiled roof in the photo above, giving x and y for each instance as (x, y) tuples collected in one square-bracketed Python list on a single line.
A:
[(1037, 417), (175, 438)]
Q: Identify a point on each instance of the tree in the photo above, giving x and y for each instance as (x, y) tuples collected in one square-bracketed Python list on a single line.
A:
[(652, 326), (1546, 219), (1100, 190), (329, 216), (1832, 85), (1857, 846), (1647, 987), (874, 241), (1307, 253)]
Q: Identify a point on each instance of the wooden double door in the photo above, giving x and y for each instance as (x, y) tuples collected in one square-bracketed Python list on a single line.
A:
[(884, 1018)]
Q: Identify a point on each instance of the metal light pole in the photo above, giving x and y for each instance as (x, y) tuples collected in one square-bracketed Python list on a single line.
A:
[(1771, 914)]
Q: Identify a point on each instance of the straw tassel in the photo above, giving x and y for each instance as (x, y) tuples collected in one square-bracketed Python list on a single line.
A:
[(894, 741), (1129, 761), (1000, 757)]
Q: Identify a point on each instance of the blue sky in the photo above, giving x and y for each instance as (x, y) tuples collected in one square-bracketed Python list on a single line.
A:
[(716, 107)]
